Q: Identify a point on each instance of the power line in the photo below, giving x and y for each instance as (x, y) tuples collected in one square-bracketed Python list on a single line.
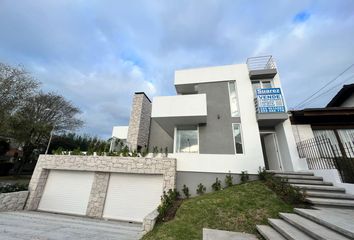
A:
[(334, 88), (331, 81)]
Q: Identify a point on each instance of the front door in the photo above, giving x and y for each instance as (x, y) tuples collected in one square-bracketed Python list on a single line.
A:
[(272, 151)]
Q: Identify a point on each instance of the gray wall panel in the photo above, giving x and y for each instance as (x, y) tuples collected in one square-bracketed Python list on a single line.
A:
[(216, 136), (158, 137)]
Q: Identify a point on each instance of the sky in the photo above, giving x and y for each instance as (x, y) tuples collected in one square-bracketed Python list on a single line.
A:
[(98, 53)]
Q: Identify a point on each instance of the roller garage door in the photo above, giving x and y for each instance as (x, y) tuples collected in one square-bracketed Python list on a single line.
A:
[(66, 192), (130, 197)]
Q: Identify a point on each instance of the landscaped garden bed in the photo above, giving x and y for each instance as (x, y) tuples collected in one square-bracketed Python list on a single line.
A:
[(238, 208)]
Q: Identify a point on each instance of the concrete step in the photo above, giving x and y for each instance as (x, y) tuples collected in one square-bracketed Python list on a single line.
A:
[(287, 230), (299, 177), (319, 188), (212, 234), (311, 228), (331, 202), (269, 233), (291, 173), (332, 195), (309, 182), (341, 221)]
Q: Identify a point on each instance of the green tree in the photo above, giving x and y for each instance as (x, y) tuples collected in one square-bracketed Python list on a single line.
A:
[(16, 86), (42, 114)]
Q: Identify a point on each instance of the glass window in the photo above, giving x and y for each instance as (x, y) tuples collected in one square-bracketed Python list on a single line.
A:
[(187, 139), (233, 99), (266, 84), (236, 127), (260, 84)]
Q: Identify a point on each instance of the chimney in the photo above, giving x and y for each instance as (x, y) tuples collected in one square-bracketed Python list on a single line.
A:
[(139, 123)]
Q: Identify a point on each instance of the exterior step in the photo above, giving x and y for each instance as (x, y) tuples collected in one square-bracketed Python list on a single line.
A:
[(332, 195), (311, 228), (269, 233), (319, 188), (331, 202), (309, 182), (341, 221), (291, 173), (299, 177), (287, 230)]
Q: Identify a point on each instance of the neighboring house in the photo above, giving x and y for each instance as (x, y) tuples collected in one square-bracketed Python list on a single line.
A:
[(121, 133), (224, 119), (326, 135)]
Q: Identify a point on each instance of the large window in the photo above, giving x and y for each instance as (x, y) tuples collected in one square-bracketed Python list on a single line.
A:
[(261, 84), (187, 139), (233, 99), (236, 128)]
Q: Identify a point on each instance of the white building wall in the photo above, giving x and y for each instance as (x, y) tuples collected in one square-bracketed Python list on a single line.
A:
[(302, 132), (287, 146), (120, 132), (252, 158), (332, 175)]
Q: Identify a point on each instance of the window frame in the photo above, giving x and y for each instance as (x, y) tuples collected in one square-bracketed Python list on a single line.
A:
[(175, 141), (237, 98), (260, 82), (234, 140)]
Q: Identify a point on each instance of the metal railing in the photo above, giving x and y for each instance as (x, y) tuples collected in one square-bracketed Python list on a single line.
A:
[(260, 63), (320, 153)]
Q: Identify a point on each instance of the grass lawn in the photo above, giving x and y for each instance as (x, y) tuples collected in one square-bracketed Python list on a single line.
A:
[(238, 208)]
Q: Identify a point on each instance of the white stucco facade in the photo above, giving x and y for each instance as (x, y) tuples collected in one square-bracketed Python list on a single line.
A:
[(222, 141), (120, 132)]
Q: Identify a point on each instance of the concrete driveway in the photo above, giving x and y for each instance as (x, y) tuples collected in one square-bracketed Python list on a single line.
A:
[(47, 226)]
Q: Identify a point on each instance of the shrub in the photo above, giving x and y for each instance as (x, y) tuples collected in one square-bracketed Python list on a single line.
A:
[(155, 151), (216, 186), (145, 151), (244, 176), (228, 180), (283, 189), (167, 201), (5, 188), (58, 151), (201, 189), (185, 191), (263, 174), (125, 151), (134, 153), (76, 151)]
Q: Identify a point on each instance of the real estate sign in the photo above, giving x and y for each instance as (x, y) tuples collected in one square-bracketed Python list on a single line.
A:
[(270, 100)]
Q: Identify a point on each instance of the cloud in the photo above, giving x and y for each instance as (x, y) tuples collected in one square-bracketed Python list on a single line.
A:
[(98, 53)]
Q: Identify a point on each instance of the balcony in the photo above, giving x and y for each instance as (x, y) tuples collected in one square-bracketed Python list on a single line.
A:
[(270, 107), (173, 111), (261, 67)]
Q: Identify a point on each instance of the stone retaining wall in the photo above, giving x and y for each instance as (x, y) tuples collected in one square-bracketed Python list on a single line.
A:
[(13, 201), (102, 166)]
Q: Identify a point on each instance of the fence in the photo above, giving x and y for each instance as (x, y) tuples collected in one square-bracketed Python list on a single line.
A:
[(320, 153)]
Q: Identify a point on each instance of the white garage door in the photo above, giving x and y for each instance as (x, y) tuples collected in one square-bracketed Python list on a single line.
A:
[(130, 197), (67, 192)]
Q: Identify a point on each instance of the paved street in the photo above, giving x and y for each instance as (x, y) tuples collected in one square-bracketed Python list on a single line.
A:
[(46, 226)]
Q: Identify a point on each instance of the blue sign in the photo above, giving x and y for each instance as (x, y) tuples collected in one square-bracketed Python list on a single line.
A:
[(270, 100)]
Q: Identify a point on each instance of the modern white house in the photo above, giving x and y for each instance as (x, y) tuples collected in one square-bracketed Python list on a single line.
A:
[(224, 119), (121, 133)]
